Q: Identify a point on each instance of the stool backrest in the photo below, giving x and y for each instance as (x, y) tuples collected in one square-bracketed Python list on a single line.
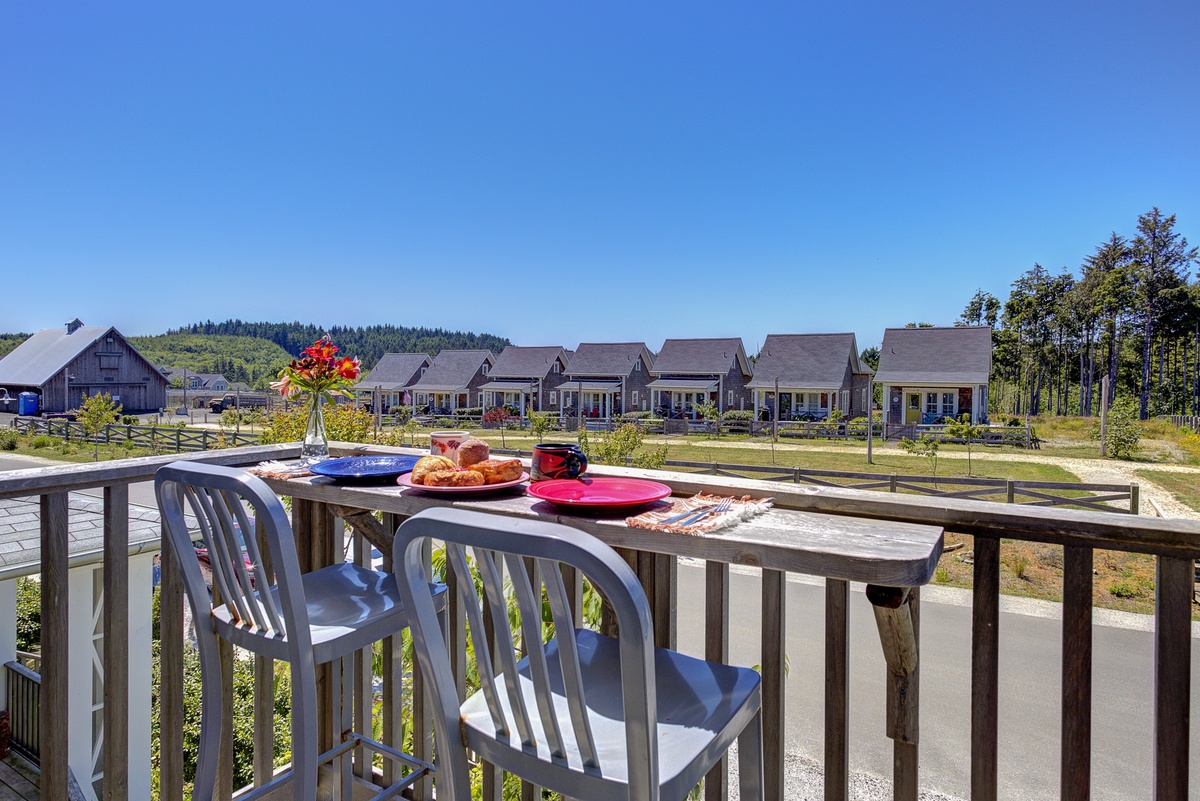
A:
[(533, 552), (211, 502)]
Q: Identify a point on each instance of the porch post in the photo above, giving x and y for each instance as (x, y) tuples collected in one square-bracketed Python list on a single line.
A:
[(8, 632)]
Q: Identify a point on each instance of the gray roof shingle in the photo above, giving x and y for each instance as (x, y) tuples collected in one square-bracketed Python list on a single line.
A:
[(806, 361), (607, 358), (961, 356), (516, 361), (700, 357), (36, 360), (394, 371), (453, 370)]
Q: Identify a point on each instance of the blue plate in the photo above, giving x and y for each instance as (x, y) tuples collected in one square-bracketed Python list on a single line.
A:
[(365, 469)]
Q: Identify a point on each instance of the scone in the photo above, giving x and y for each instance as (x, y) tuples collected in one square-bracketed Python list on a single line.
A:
[(454, 478), (472, 452), (429, 464), (497, 471)]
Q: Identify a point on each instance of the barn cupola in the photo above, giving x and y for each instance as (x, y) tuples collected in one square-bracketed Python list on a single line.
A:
[(74, 325)]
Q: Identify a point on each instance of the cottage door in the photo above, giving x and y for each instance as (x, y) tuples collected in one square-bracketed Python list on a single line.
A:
[(912, 411)]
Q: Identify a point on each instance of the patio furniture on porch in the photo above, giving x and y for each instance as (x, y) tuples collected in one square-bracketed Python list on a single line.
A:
[(584, 715), (263, 603)]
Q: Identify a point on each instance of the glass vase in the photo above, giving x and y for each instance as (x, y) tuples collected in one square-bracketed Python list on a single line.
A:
[(315, 447)]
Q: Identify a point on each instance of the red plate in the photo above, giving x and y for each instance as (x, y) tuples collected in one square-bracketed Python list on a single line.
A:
[(599, 493), (406, 481)]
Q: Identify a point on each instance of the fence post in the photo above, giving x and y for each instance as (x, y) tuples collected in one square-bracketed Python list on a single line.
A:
[(204, 439), (892, 483), (1135, 499), (178, 446), (1012, 492)]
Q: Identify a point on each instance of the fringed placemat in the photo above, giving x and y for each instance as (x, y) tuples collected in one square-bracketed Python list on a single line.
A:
[(741, 509), (279, 471)]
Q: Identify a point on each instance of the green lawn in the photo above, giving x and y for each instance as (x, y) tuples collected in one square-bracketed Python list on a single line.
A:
[(1184, 486)]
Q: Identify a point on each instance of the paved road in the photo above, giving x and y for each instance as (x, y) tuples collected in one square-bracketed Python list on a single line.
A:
[(1030, 672), (141, 494)]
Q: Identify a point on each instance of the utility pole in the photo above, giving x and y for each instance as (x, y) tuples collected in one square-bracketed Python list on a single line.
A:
[(870, 419)]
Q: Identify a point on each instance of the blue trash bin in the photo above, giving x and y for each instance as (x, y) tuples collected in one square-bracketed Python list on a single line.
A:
[(27, 403)]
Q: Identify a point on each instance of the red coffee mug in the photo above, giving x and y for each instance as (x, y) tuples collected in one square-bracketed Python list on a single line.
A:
[(554, 460)]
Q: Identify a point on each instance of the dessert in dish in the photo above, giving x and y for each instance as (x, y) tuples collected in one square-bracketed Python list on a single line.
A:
[(430, 464), (498, 471), (456, 477), (473, 451)]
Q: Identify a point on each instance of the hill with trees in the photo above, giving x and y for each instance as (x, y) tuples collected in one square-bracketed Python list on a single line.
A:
[(368, 343), (252, 360), (9, 342)]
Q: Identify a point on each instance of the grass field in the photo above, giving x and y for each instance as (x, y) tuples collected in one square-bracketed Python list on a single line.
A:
[(1183, 486)]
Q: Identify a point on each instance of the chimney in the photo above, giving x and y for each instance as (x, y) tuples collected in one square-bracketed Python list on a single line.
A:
[(74, 325)]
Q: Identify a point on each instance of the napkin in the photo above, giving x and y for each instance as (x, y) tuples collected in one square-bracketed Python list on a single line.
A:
[(743, 508)]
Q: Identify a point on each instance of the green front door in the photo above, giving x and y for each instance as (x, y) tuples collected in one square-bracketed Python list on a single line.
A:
[(912, 410)]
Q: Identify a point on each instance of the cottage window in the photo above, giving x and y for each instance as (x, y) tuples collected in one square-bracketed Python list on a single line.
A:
[(484, 369), (730, 398), (931, 402), (553, 398), (555, 368), (948, 402), (635, 397), (109, 361), (637, 365)]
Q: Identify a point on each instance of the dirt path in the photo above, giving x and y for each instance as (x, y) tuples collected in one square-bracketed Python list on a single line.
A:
[(1090, 471)]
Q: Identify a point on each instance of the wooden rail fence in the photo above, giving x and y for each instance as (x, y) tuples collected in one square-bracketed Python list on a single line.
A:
[(318, 526), (156, 438)]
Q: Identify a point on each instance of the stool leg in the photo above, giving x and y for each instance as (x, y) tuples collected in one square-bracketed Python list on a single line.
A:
[(304, 731)]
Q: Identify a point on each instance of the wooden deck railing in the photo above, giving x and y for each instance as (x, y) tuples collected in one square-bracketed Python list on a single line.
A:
[(1174, 543)]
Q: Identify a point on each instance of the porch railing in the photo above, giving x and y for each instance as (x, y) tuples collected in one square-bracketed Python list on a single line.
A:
[(1173, 543), (24, 708)]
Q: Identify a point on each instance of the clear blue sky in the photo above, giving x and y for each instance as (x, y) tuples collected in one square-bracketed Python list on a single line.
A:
[(558, 172)]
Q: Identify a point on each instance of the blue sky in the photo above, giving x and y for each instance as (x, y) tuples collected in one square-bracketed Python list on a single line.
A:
[(558, 172)]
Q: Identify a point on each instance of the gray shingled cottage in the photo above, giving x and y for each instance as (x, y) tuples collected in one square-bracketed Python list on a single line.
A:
[(815, 374), (62, 365), (525, 377), (605, 379), (932, 373), (692, 371), (453, 380), (392, 375)]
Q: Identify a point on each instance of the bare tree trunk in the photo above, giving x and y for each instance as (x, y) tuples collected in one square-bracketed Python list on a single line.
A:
[(1148, 335)]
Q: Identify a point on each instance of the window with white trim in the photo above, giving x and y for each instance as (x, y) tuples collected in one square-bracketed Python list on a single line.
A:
[(484, 368), (730, 398), (931, 403), (949, 401), (555, 367), (635, 397), (637, 365), (553, 398)]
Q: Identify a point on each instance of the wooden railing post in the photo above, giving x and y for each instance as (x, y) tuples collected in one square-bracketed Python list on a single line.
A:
[(116, 642), (774, 644), (1172, 676), (837, 690), (170, 700), (1077, 674), (716, 649), (55, 653), (985, 673)]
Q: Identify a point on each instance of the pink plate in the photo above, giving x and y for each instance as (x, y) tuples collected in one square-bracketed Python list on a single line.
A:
[(406, 481), (599, 493)]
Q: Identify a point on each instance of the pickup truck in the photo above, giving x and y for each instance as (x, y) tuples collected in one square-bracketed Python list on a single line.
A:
[(245, 401)]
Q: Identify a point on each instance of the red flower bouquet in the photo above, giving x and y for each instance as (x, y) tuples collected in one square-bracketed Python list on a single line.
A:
[(321, 375)]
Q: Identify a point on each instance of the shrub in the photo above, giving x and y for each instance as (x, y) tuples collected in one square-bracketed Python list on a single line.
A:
[(130, 420), (469, 411), (1124, 432), (620, 446), (43, 441), (9, 440), (1019, 565), (29, 615), (744, 415), (1123, 590), (637, 415)]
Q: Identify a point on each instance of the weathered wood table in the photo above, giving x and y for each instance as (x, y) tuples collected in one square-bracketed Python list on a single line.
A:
[(892, 558)]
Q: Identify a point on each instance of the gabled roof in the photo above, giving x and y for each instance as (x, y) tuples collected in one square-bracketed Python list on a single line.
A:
[(521, 362), (608, 358), (700, 357), (394, 371), (453, 370), (806, 361), (36, 360), (960, 355)]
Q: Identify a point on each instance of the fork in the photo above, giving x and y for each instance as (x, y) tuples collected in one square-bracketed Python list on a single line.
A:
[(720, 508)]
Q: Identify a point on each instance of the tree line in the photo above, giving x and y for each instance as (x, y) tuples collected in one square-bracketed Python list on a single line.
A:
[(1131, 314), (368, 343)]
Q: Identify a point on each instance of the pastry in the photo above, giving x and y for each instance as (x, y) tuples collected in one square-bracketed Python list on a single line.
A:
[(497, 471), (428, 464), (472, 452), (454, 478)]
